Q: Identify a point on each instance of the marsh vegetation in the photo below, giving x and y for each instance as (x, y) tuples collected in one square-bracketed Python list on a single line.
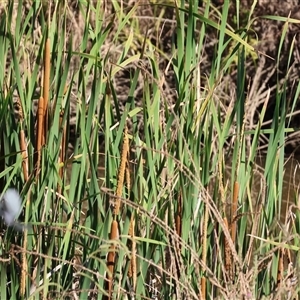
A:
[(149, 143)]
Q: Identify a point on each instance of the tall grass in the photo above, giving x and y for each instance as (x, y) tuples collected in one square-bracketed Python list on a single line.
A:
[(169, 209)]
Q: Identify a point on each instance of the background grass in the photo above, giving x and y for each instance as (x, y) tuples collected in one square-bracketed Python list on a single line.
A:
[(198, 216)]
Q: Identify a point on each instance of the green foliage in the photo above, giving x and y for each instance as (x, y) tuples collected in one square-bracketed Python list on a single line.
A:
[(181, 153)]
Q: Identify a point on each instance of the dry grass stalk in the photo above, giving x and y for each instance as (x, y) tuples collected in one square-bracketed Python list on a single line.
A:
[(227, 253), (24, 267), (24, 154), (24, 261), (204, 254), (132, 273)]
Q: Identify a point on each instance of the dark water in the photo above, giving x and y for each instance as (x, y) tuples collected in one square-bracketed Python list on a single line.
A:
[(257, 190), (290, 187)]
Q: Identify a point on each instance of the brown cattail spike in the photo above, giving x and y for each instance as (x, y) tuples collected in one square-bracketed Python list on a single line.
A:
[(114, 234)]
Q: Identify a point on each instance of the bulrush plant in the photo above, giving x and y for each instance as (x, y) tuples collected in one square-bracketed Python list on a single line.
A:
[(129, 131), (42, 112), (114, 233)]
